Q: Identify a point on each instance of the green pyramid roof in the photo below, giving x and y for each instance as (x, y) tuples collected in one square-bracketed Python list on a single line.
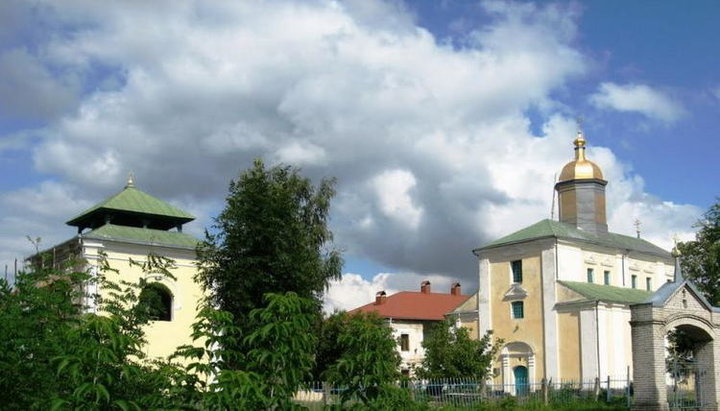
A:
[(144, 236), (555, 229), (132, 207), (608, 293)]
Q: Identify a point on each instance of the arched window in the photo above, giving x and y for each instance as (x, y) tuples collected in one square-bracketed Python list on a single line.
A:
[(157, 300)]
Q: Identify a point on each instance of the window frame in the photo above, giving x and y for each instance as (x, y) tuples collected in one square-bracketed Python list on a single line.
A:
[(648, 283), (591, 276), (516, 271), (633, 281), (514, 313), (404, 342), (167, 298), (606, 277)]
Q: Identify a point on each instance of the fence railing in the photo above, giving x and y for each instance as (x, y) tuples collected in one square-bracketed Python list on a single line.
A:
[(469, 392)]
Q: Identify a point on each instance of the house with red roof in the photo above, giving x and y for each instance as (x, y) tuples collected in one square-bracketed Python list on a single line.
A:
[(411, 315)]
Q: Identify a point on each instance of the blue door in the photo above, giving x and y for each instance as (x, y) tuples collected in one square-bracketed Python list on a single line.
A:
[(521, 380)]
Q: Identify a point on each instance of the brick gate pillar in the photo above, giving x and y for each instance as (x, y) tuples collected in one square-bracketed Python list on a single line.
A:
[(648, 347), (707, 367)]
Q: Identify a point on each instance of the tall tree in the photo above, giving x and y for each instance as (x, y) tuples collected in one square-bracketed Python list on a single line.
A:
[(451, 353), (271, 237), (701, 257), (368, 361)]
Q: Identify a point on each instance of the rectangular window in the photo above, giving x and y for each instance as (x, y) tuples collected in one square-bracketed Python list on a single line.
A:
[(516, 271), (590, 275), (404, 342), (606, 277), (518, 310), (648, 284), (633, 281)]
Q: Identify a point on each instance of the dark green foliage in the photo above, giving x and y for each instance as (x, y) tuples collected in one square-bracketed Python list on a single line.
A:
[(156, 299), (102, 364), (272, 237), (281, 345), (328, 350), (35, 316), (368, 365), (56, 354), (278, 354), (701, 257), (451, 353)]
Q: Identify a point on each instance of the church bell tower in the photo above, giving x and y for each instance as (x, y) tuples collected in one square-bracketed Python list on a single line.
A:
[(581, 192)]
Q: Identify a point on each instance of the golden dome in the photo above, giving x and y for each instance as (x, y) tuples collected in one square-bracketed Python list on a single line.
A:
[(580, 168)]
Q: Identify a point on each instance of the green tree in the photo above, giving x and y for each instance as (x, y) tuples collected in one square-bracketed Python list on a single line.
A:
[(328, 350), (368, 366), (35, 316), (271, 237), (700, 259), (276, 360), (102, 365), (54, 353), (450, 352)]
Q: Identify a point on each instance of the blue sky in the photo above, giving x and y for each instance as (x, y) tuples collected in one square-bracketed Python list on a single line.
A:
[(444, 122)]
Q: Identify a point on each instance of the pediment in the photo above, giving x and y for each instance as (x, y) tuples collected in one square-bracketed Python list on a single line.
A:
[(516, 292), (686, 298)]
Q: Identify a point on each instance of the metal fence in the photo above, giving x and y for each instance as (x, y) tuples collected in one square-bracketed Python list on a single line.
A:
[(471, 393)]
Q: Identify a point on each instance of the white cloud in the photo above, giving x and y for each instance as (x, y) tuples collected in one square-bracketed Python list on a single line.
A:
[(430, 144), (638, 98), (393, 189)]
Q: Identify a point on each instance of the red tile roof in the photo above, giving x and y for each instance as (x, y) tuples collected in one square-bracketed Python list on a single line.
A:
[(414, 305)]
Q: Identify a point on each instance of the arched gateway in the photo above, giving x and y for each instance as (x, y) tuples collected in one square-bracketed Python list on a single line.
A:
[(677, 305)]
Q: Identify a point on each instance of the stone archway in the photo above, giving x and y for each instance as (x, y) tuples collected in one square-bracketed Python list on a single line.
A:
[(676, 305), (513, 355)]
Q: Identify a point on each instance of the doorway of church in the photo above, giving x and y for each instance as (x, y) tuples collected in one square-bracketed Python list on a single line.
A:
[(521, 380)]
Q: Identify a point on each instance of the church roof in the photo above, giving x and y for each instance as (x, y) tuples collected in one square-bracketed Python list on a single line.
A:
[(132, 203), (556, 229), (145, 236), (608, 293)]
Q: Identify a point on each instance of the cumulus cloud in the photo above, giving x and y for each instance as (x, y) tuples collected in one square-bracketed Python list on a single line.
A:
[(430, 144), (638, 98)]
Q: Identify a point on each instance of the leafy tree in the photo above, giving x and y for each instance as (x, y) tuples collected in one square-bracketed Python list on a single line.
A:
[(56, 354), (277, 359), (701, 257), (35, 316), (368, 366), (680, 353), (102, 364), (451, 353), (272, 237), (328, 350)]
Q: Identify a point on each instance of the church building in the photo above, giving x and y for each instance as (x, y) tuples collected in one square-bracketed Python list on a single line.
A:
[(558, 292), (133, 225)]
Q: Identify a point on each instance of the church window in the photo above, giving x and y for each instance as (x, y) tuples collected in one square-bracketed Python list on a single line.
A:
[(590, 275), (517, 271), (404, 342), (518, 310), (648, 284), (633, 281), (156, 300), (606, 277)]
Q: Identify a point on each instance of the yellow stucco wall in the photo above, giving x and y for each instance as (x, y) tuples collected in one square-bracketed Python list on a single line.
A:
[(162, 336), (569, 345), (527, 329)]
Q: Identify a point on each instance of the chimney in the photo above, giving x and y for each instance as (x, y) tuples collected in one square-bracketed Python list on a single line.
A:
[(380, 297), (455, 289), (425, 287)]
